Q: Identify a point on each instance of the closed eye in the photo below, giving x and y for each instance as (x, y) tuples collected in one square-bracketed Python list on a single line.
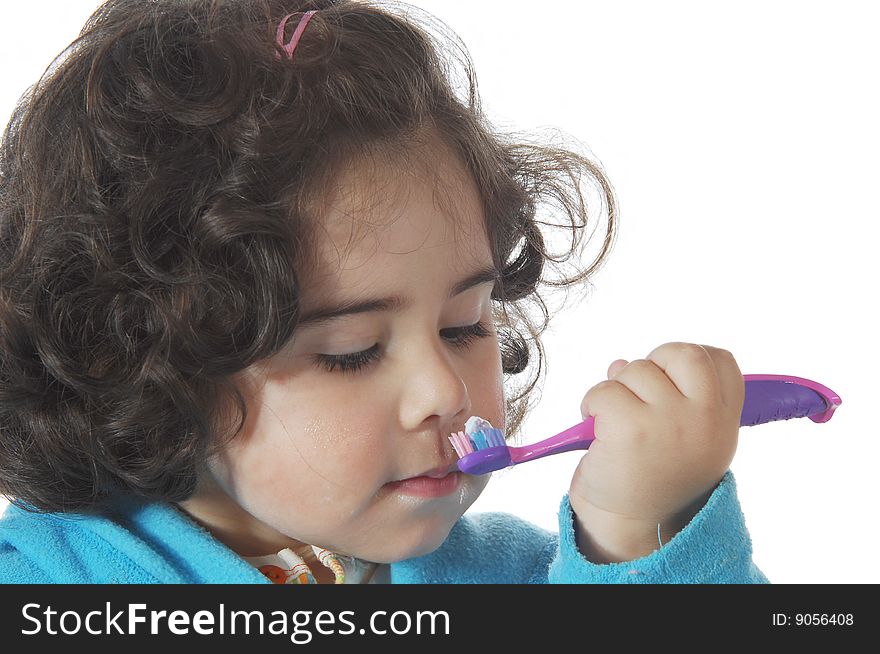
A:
[(462, 337)]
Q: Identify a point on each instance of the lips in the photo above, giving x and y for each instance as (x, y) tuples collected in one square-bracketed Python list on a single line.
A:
[(427, 487), (437, 473), (434, 473)]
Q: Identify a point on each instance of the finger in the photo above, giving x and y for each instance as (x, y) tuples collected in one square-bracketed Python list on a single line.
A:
[(690, 368), (616, 366), (613, 405), (733, 388), (648, 382)]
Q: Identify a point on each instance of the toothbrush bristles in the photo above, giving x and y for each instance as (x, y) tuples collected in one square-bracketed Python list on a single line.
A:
[(496, 438), (455, 445), (461, 444), (465, 444)]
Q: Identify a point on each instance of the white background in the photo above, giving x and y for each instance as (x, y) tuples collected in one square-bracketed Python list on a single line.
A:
[(742, 142)]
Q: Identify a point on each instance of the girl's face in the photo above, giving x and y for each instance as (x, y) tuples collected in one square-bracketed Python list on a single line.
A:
[(355, 403)]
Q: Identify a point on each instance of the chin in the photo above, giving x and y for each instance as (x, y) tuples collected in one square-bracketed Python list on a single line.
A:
[(414, 541), (420, 532)]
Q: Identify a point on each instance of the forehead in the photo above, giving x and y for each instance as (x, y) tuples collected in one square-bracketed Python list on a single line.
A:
[(391, 213)]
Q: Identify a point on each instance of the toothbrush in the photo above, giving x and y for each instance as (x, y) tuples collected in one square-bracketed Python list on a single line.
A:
[(768, 398)]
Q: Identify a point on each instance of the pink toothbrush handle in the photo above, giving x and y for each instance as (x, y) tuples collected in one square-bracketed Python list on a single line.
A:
[(578, 437)]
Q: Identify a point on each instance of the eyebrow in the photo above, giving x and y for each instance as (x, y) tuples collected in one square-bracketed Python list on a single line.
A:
[(394, 303)]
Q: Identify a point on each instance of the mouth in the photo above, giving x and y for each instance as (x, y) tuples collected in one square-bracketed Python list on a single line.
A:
[(439, 472), (437, 482)]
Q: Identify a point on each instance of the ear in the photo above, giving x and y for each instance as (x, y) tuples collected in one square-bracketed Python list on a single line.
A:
[(616, 366)]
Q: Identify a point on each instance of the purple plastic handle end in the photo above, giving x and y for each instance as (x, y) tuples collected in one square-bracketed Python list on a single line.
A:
[(769, 392)]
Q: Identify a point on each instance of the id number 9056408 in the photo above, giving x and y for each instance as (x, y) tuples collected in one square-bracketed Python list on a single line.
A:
[(813, 619)]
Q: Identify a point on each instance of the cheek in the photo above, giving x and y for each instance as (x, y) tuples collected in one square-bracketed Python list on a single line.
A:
[(487, 389), (290, 456), (346, 446)]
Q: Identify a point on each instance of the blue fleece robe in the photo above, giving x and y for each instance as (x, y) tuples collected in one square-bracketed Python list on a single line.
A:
[(157, 543)]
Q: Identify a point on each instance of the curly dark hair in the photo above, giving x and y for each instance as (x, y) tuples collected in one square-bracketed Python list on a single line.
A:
[(155, 188)]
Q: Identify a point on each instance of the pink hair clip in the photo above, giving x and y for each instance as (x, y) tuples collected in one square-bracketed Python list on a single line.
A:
[(291, 46)]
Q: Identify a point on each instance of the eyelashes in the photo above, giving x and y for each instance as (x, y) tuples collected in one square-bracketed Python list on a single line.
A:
[(357, 361)]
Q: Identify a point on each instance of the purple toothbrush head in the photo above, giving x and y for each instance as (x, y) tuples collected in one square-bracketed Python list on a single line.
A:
[(481, 447), (483, 461)]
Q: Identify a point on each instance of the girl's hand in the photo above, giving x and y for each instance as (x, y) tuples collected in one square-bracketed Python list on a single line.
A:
[(666, 431)]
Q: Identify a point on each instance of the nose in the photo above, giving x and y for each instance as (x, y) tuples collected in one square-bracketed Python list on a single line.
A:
[(434, 386)]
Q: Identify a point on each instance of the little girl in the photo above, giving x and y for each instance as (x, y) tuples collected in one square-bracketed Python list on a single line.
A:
[(258, 259)]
